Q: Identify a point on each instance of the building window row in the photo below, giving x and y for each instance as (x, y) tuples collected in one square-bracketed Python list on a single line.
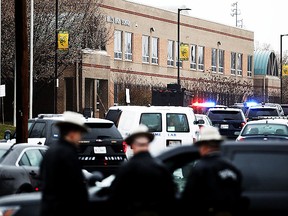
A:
[(150, 47)]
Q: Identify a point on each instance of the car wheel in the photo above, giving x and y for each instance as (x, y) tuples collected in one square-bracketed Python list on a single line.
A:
[(25, 188)]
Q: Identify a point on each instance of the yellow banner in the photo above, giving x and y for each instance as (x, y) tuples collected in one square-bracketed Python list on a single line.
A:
[(184, 52), (63, 40), (285, 70)]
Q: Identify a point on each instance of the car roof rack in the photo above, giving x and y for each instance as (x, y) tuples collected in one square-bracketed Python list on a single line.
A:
[(41, 116), (271, 117)]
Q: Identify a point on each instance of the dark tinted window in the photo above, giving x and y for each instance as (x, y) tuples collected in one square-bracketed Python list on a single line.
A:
[(152, 121), (38, 130), (102, 131), (285, 109), (114, 115), (263, 171), (218, 115), (177, 122), (262, 112)]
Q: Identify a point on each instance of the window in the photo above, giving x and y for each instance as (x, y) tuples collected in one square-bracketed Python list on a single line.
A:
[(31, 157), (177, 122), (145, 49), (118, 44), (154, 50), (152, 121), (221, 61), (239, 64), (249, 65), (214, 60), (201, 58), (128, 46), (177, 62), (233, 63), (38, 130), (193, 57), (170, 53)]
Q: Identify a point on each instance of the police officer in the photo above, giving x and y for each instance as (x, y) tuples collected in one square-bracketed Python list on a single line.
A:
[(143, 185), (63, 184), (213, 186)]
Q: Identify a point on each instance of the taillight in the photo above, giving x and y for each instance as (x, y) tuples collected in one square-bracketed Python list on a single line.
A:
[(243, 124), (240, 139), (125, 146)]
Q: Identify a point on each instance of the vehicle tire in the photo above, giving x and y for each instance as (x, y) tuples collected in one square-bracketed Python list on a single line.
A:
[(25, 188)]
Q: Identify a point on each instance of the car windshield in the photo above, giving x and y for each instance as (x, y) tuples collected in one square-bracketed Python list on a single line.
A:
[(218, 115), (263, 112), (265, 129)]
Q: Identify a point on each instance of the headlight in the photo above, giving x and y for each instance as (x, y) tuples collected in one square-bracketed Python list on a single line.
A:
[(8, 210)]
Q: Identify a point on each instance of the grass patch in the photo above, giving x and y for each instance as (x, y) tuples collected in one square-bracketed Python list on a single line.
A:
[(4, 127)]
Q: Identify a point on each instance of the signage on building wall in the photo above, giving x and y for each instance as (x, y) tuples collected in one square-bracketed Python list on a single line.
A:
[(118, 21), (63, 40), (184, 52), (285, 70)]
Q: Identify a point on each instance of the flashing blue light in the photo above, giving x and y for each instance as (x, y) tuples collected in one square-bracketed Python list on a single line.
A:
[(251, 103), (209, 104)]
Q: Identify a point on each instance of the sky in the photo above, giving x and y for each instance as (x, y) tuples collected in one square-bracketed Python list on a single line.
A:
[(267, 19)]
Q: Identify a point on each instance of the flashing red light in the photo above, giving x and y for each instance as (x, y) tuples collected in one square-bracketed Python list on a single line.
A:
[(125, 146), (36, 189)]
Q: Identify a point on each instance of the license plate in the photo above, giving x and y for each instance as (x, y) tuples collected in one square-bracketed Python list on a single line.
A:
[(100, 150), (174, 143), (224, 126)]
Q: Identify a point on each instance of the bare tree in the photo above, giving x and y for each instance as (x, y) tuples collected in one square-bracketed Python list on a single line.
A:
[(83, 20)]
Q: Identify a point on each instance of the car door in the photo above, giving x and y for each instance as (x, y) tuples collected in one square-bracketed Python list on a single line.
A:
[(30, 161)]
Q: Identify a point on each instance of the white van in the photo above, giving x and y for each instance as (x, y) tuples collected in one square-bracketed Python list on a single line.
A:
[(171, 125)]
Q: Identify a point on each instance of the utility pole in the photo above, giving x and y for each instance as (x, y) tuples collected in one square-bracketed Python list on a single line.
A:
[(22, 80), (56, 58), (31, 59), (236, 12)]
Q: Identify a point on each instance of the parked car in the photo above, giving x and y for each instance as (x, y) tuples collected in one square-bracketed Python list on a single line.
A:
[(203, 120), (228, 120), (256, 112), (265, 129), (101, 148), (171, 125), (263, 166), (19, 167)]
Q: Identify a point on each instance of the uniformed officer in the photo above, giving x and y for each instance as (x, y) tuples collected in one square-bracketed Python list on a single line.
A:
[(213, 186), (143, 185)]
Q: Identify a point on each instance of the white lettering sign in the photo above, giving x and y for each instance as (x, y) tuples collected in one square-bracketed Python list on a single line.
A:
[(117, 21)]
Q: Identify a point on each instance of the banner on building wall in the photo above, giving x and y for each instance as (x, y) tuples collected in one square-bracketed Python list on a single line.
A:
[(63, 40), (184, 52), (285, 70)]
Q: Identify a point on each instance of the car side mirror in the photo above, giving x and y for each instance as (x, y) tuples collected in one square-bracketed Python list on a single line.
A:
[(201, 121), (7, 135), (237, 133)]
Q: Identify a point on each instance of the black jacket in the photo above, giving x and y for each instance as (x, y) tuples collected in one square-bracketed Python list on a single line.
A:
[(214, 184), (143, 185), (63, 184)]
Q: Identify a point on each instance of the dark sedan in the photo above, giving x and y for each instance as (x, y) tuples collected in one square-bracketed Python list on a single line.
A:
[(265, 177), (19, 166), (265, 129)]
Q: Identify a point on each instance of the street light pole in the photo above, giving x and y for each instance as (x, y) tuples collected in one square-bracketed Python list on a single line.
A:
[(178, 54), (281, 64)]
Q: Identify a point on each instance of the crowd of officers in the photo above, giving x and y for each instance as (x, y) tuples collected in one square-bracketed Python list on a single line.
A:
[(143, 185)]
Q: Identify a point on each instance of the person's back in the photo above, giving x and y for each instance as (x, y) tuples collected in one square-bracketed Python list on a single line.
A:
[(143, 185), (214, 185)]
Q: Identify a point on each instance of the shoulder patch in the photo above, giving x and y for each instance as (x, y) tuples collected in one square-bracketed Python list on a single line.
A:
[(227, 173)]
